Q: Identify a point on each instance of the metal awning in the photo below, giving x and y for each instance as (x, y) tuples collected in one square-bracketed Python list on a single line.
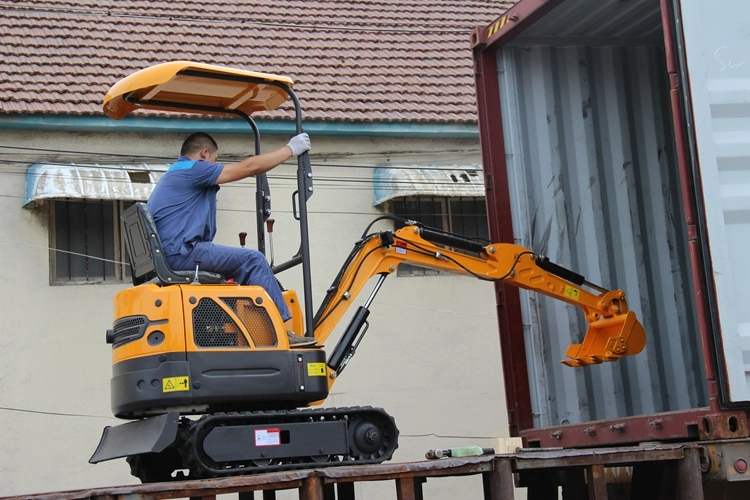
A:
[(421, 180), (131, 182)]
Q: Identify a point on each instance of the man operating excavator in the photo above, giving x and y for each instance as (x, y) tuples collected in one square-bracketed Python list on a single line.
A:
[(183, 205)]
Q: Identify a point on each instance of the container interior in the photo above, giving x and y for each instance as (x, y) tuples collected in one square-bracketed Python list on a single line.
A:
[(594, 185)]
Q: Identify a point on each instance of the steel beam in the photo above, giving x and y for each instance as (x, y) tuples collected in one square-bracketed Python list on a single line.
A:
[(312, 489), (406, 489), (498, 483), (689, 477), (597, 482), (668, 470)]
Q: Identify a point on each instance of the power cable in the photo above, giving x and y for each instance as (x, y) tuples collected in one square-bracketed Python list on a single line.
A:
[(53, 413), (85, 415), (288, 181), (279, 180), (276, 211), (446, 437), (90, 153), (170, 159), (64, 251)]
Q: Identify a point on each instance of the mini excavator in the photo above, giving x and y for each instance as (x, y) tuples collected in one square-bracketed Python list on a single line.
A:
[(203, 368)]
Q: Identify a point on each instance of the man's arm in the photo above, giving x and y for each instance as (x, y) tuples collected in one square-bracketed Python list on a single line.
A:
[(260, 164)]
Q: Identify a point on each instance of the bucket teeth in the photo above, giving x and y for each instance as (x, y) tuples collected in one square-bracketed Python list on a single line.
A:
[(608, 339)]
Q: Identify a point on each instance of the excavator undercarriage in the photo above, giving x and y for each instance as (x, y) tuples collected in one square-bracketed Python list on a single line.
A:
[(237, 443)]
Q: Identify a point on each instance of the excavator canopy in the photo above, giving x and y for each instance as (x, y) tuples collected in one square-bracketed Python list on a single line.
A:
[(188, 87)]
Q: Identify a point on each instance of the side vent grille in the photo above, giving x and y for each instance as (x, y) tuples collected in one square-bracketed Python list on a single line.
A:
[(256, 321), (128, 329), (212, 327)]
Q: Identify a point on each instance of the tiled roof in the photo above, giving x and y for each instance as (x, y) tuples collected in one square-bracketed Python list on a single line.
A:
[(351, 60)]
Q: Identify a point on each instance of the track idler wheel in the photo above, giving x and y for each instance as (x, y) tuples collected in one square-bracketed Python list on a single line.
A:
[(369, 439)]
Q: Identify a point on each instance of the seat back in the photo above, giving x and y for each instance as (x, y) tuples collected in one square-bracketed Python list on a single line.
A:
[(146, 255)]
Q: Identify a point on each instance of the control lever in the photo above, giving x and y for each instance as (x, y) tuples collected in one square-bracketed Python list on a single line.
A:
[(269, 228), (243, 235), (195, 278)]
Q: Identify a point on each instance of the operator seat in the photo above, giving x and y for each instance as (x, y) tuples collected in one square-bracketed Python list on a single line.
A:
[(146, 255)]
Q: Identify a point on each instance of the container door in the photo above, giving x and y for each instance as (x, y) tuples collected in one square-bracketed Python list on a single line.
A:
[(717, 50)]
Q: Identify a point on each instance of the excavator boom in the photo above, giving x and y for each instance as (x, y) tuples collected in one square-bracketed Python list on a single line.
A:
[(613, 331)]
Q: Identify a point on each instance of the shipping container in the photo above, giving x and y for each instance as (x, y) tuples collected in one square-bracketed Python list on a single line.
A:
[(615, 138)]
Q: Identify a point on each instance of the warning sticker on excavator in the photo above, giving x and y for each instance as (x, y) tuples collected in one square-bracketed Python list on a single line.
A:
[(401, 247), (316, 369), (572, 292), (174, 384), (267, 437)]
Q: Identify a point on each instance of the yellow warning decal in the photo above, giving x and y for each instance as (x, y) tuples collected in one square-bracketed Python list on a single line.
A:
[(572, 292), (316, 369), (174, 384), (495, 27)]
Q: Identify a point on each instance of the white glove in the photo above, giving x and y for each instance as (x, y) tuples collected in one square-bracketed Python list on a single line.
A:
[(299, 144)]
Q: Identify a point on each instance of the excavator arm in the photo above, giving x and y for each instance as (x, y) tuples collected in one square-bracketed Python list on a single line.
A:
[(613, 331)]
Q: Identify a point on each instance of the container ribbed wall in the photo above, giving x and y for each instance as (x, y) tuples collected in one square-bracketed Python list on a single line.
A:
[(594, 186)]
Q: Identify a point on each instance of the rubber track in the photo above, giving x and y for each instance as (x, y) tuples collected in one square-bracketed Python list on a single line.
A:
[(202, 467)]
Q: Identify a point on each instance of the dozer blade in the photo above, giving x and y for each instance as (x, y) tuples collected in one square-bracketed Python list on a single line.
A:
[(150, 435), (608, 339)]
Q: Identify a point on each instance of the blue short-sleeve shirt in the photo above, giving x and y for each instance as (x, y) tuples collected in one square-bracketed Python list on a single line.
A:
[(183, 204)]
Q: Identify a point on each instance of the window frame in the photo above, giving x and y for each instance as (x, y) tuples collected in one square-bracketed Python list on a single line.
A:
[(120, 264)]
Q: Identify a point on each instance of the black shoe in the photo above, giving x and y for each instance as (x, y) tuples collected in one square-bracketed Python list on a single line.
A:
[(298, 341)]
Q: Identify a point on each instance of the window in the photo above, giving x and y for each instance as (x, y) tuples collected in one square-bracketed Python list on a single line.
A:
[(86, 245), (464, 216)]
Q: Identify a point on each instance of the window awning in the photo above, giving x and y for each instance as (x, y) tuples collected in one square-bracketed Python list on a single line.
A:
[(421, 180), (131, 182)]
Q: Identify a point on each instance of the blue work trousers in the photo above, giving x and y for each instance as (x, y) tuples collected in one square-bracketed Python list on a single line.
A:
[(245, 266)]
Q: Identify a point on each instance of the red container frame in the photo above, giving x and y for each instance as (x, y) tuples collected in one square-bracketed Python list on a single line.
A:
[(707, 423)]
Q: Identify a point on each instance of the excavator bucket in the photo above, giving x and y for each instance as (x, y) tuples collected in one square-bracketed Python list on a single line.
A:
[(608, 339)]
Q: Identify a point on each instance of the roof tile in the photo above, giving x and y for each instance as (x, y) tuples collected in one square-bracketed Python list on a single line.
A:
[(351, 60)]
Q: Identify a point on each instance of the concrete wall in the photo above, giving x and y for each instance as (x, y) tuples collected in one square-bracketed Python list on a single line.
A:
[(431, 356)]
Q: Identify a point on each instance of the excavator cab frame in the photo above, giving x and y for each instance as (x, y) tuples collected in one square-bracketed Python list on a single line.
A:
[(196, 88)]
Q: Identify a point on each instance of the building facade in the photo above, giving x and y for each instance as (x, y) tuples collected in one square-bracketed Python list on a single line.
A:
[(430, 357), (387, 97)]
